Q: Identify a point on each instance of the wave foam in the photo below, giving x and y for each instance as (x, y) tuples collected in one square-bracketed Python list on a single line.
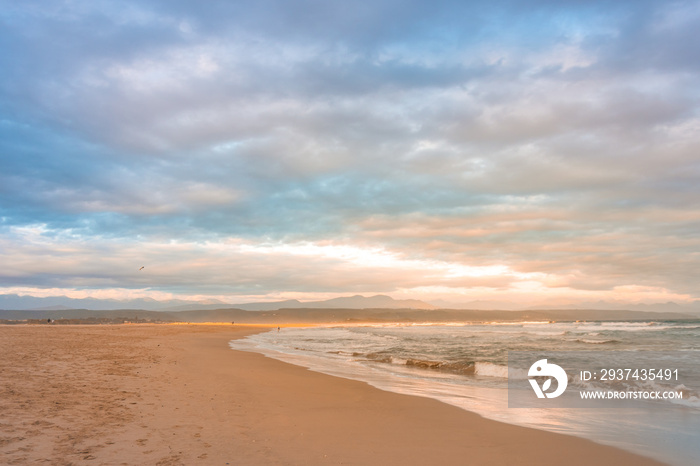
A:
[(491, 370), (597, 342)]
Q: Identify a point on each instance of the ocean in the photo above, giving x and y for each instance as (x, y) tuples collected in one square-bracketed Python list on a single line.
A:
[(466, 365)]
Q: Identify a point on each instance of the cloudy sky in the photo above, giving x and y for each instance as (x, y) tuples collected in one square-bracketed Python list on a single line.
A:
[(530, 151)]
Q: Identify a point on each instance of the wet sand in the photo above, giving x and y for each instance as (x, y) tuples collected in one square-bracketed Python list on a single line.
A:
[(177, 394)]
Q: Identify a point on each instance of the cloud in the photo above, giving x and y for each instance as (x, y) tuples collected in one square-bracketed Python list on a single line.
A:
[(555, 143)]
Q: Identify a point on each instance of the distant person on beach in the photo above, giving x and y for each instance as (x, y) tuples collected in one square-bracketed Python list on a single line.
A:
[(278, 329)]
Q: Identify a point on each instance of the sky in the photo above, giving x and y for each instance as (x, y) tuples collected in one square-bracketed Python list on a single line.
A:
[(524, 151)]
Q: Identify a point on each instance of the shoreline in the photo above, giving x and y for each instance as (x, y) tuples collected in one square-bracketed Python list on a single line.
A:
[(397, 361), (178, 394)]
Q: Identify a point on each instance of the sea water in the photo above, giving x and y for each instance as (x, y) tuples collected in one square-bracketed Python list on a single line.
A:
[(466, 365)]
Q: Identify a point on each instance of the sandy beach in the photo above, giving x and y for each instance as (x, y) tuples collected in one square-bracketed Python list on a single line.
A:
[(177, 394)]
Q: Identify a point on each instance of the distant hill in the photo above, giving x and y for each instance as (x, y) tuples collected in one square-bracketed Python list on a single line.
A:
[(339, 315), (58, 307), (373, 302), (692, 308), (15, 302), (482, 305)]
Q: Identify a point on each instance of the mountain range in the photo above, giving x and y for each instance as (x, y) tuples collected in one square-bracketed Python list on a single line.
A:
[(326, 315), (669, 306), (17, 302)]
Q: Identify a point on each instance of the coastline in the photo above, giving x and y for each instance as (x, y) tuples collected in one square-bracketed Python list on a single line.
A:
[(177, 394)]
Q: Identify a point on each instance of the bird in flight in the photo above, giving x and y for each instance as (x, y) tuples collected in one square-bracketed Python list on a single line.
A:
[(142, 267)]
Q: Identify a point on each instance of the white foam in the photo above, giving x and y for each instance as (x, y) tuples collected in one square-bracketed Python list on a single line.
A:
[(490, 370)]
